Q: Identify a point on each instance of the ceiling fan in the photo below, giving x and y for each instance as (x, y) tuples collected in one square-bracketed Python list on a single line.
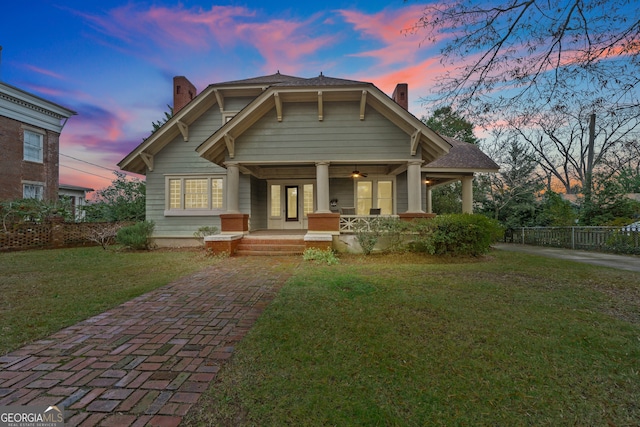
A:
[(357, 174)]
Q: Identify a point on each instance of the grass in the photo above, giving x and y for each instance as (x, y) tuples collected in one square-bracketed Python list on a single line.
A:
[(508, 339), (42, 291)]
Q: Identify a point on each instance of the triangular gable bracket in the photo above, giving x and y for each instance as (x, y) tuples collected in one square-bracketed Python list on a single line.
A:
[(276, 97), (231, 145), (148, 160), (415, 139), (363, 104), (184, 130), (220, 100)]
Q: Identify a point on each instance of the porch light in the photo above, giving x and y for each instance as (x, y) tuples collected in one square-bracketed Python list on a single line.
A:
[(357, 174)]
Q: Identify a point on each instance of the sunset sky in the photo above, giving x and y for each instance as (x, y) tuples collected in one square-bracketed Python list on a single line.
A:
[(113, 61)]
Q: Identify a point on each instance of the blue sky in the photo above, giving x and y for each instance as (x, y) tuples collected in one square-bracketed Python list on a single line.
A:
[(113, 61)]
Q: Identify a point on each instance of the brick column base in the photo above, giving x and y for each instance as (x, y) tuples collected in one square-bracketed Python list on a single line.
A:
[(324, 222), (318, 241), (220, 243), (234, 223)]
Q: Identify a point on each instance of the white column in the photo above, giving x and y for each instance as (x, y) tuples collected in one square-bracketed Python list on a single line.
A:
[(429, 199), (322, 190), (233, 187), (414, 187), (467, 194)]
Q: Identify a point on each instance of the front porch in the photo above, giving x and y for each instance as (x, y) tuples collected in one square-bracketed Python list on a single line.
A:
[(325, 231)]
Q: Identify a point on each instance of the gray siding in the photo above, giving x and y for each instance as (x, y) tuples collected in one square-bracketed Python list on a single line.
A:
[(340, 136), (258, 204), (180, 157), (343, 190), (402, 203)]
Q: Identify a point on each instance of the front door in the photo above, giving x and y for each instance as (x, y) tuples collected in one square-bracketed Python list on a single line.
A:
[(289, 204), (291, 209)]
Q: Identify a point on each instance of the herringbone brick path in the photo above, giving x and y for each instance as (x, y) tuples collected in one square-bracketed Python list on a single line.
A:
[(147, 361)]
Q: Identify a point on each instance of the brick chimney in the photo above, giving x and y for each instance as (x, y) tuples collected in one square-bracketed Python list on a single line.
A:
[(183, 92), (401, 95)]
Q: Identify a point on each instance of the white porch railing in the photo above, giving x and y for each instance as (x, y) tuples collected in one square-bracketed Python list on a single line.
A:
[(349, 223)]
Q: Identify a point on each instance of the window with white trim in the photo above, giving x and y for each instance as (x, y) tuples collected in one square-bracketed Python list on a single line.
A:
[(33, 191), (374, 193), (33, 146), (194, 194)]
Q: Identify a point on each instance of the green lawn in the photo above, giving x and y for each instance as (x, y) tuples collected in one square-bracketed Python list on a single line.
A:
[(42, 291), (505, 340)]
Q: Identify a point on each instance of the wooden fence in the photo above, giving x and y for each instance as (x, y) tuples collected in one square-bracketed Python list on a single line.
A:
[(51, 234), (606, 239)]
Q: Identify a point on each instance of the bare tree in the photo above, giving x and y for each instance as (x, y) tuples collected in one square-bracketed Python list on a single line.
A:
[(519, 52), (566, 147)]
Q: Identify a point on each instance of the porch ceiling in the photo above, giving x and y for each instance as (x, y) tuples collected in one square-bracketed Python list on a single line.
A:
[(308, 170)]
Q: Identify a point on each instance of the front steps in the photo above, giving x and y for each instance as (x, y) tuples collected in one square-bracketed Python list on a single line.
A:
[(271, 245)]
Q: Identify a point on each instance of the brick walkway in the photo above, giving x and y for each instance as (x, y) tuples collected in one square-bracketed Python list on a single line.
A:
[(147, 361)]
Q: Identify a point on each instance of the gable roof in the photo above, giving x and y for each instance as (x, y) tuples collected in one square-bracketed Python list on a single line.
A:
[(319, 89), (267, 92)]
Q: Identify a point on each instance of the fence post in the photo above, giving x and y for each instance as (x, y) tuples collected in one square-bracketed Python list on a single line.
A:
[(57, 232), (573, 237)]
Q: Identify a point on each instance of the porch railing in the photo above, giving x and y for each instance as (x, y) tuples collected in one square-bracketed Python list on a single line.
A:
[(349, 223)]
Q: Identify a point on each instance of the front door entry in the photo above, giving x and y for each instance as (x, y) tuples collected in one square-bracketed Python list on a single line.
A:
[(289, 204)]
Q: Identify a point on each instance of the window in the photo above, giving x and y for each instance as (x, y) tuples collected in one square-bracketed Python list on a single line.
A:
[(308, 199), (275, 201), (364, 197), (195, 194), (385, 197), (32, 146), (365, 200), (32, 191), (226, 116)]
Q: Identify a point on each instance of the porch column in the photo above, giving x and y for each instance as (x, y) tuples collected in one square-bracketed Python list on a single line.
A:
[(414, 187), (429, 199), (467, 194), (322, 183), (233, 187)]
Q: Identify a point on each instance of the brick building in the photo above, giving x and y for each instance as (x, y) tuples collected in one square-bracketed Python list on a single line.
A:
[(30, 129)]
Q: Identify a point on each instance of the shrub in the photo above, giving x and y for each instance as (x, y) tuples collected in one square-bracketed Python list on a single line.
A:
[(103, 233), (456, 234), (624, 242), (320, 256), (32, 210), (205, 231), (136, 236), (367, 235)]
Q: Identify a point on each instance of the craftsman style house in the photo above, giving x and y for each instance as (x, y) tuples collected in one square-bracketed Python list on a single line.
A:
[(286, 153), (30, 130)]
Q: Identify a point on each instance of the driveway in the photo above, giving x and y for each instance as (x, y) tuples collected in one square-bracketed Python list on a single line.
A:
[(622, 262)]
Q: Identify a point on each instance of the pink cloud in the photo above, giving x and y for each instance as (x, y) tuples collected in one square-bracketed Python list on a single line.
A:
[(176, 28), (391, 28), (39, 70), (283, 42)]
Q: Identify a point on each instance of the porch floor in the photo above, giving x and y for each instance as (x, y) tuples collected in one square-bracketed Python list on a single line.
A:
[(277, 234)]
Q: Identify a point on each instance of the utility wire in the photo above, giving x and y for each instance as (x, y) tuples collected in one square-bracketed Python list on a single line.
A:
[(93, 164), (89, 173), (84, 161)]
